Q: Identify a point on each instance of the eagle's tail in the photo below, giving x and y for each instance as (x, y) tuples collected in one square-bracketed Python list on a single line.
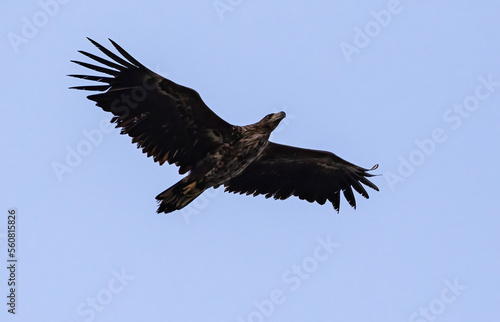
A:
[(178, 196)]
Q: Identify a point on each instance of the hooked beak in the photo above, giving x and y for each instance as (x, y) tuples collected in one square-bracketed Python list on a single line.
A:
[(279, 116), (276, 119)]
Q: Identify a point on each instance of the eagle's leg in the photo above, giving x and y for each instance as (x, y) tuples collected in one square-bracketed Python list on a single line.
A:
[(179, 195)]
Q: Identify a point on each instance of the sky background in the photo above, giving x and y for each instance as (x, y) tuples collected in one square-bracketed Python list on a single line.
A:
[(411, 85)]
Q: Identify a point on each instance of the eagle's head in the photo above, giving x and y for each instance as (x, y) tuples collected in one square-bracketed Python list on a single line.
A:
[(271, 121), (265, 126)]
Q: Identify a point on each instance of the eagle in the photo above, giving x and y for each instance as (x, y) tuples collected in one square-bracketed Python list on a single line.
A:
[(172, 124)]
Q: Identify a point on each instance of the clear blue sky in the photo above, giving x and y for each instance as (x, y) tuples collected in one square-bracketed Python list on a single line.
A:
[(411, 85)]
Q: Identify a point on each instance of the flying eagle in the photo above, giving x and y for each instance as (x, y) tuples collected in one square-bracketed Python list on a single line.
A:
[(172, 123)]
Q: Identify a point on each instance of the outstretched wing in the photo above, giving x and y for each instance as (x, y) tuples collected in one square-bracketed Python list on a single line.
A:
[(282, 171), (168, 121)]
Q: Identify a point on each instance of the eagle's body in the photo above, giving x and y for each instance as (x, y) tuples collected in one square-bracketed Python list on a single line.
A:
[(231, 158), (171, 123), (246, 144)]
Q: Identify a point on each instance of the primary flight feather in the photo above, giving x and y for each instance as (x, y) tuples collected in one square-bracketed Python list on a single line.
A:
[(172, 124)]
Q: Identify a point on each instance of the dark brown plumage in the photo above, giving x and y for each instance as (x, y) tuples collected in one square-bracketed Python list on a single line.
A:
[(172, 124)]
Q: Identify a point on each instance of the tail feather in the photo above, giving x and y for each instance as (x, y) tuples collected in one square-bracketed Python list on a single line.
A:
[(178, 196)]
